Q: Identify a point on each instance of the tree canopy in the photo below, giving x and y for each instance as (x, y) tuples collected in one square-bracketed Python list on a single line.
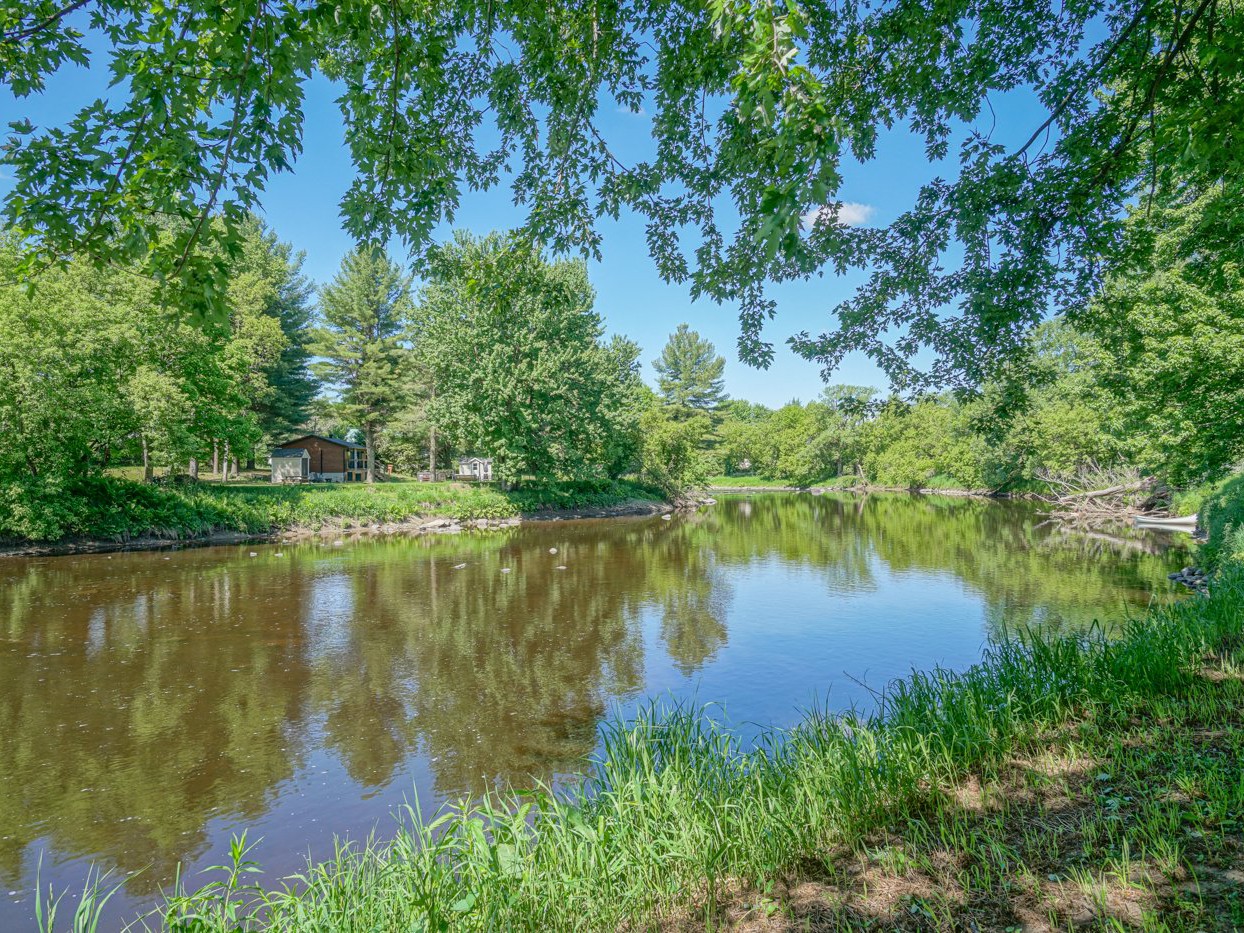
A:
[(95, 365), (755, 107), (514, 347), (1171, 330)]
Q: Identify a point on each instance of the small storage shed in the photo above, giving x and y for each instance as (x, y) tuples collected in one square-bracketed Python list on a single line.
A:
[(475, 468), (291, 465)]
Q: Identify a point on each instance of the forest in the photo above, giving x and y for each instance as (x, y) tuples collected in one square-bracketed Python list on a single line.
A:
[(1063, 305), (500, 350)]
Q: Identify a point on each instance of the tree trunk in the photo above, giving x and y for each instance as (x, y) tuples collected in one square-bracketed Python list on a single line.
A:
[(216, 458), (432, 440), (226, 463), (250, 461), (193, 469), (148, 471), (234, 462), (370, 441)]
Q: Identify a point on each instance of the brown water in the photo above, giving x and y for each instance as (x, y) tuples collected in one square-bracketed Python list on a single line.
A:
[(152, 704)]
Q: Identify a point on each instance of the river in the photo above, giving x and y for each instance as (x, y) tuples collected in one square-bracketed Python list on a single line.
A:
[(154, 703)]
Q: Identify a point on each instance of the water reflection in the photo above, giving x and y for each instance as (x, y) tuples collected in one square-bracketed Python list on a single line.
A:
[(150, 703)]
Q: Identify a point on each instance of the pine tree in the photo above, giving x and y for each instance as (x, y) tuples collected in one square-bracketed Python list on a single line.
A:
[(363, 312), (689, 372), (270, 304), (288, 406)]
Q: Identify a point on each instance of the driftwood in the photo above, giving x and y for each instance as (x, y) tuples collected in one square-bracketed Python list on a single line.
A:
[(1096, 494), (1139, 484)]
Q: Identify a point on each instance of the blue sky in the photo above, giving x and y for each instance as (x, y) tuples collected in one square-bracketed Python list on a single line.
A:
[(302, 207)]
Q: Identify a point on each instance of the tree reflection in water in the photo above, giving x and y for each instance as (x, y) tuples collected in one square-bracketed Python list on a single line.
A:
[(150, 701)]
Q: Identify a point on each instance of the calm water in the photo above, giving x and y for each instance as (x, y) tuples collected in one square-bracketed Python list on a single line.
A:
[(152, 704)]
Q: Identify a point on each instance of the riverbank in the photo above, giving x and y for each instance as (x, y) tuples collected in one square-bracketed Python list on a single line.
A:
[(1061, 782), (737, 484), (109, 514)]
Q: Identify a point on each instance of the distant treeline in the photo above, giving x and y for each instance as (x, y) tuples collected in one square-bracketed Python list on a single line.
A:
[(1151, 381)]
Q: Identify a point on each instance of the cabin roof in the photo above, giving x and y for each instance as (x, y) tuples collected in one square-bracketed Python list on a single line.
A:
[(290, 452), (475, 459), (331, 440)]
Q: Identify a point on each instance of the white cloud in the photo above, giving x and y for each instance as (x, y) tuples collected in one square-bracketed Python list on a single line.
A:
[(846, 214)]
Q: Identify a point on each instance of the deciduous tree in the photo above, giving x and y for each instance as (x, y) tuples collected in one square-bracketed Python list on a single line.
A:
[(1170, 329), (516, 354)]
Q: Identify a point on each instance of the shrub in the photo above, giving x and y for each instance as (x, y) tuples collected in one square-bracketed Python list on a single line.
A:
[(1222, 516)]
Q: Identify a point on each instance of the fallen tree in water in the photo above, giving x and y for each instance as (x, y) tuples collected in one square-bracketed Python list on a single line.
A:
[(1095, 493)]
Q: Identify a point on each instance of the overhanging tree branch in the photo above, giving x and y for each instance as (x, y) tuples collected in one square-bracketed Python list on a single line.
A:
[(33, 30)]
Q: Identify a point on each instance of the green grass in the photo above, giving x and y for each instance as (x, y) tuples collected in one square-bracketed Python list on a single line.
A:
[(110, 507), (748, 482), (939, 481), (758, 482), (1219, 506), (1221, 514), (1189, 501)]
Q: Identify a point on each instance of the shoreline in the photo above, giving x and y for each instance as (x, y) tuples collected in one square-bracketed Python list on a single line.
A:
[(923, 491), (414, 527)]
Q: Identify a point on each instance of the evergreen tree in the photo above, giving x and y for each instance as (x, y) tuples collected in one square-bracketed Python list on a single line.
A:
[(689, 372), (363, 312), (279, 291)]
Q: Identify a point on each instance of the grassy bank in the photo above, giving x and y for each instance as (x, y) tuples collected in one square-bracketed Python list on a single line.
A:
[(1059, 783), (111, 507), (748, 482), (1220, 508)]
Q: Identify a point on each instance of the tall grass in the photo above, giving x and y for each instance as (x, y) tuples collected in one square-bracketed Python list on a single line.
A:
[(110, 507), (678, 815)]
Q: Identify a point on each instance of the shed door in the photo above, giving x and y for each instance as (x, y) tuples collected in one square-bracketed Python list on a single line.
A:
[(305, 463)]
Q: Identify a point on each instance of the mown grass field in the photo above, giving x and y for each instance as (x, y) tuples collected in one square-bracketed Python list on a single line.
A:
[(747, 482), (1061, 783)]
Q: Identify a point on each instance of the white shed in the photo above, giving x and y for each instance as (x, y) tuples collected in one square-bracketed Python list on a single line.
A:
[(475, 468), (290, 465)]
